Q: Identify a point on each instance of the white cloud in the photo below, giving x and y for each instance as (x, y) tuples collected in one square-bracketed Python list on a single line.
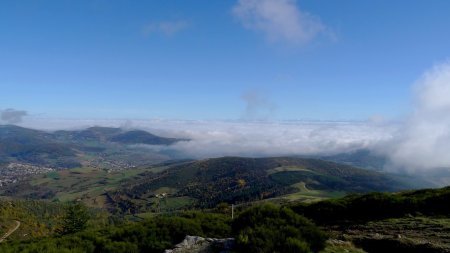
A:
[(279, 20), (423, 142), (167, 28), (279, 138)]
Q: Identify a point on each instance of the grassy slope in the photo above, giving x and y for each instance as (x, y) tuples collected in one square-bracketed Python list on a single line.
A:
[(411, 221), (308, 195), (410, 231)]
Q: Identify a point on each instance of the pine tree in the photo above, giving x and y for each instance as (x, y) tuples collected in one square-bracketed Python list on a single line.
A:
[(75, 218)]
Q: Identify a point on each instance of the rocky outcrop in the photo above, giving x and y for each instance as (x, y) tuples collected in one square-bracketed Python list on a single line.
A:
[(197, 244)]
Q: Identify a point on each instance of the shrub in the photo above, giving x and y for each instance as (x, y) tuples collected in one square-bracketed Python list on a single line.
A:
[(268, 228)]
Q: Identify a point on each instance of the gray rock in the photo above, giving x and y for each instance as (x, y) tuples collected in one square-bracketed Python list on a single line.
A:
[(197, 244)]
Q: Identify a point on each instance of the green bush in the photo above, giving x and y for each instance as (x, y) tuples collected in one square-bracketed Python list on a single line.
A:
[(268, 228)]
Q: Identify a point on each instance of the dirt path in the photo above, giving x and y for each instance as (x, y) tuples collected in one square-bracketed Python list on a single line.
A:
[(10, 231)]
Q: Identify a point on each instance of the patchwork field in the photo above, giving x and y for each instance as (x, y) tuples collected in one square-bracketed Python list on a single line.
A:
[(84, 183)]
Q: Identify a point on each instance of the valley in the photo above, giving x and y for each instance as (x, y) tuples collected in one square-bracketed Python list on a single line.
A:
[(124, 186), (178, 185)]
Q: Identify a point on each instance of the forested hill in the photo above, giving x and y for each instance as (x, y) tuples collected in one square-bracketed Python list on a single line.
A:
[(237, 179)]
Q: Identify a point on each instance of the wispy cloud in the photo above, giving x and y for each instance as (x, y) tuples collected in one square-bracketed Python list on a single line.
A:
[(279, 20), (12, 116), (257, 105), (166, 28), (423, 142)]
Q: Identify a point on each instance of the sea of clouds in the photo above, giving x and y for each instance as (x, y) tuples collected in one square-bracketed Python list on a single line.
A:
[(419, 142)]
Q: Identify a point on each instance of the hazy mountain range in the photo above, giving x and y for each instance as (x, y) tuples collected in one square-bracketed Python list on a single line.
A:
[(68, 149)]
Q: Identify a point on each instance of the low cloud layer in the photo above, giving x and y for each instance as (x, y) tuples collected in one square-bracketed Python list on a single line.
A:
[(278, 20), (249, 138), (281, 138), (12, 116), (423, 142)]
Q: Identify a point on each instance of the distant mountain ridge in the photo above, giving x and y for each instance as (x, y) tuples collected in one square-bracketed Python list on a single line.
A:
[(33, 146), (362, 158), (143, 137), (118, 135), (64, 148), (367, 159)]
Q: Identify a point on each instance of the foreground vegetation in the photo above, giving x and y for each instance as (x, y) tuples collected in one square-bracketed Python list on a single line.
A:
[(153, 235), (415, 221), (266, 228)]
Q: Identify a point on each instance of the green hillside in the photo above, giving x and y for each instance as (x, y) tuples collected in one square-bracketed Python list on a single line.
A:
[(207, 183)]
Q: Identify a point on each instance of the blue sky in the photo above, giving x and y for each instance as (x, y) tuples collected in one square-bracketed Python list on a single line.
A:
[(228, 59)]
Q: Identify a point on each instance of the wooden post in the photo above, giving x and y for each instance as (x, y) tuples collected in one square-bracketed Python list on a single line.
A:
[(232, 211)]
